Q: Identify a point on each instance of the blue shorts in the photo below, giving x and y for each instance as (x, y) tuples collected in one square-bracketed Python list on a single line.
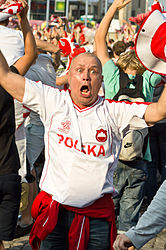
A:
[(10, 194)]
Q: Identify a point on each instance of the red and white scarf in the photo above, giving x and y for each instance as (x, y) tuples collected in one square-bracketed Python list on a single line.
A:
[(45, 212)]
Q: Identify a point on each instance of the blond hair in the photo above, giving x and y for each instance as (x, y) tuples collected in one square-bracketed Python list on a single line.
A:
[(129, 60)]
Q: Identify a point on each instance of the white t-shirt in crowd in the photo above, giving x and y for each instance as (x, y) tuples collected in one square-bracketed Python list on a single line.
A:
[(81, 145), (42, 70), (11, 44)]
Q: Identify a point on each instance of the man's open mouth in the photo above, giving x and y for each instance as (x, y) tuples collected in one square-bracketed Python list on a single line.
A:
[(85, 90)]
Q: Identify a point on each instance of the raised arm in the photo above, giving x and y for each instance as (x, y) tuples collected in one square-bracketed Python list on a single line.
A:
[(101, 33), (24, 63), (13, 83), (61, 80), (130, 31), (67, 26), (44, 45)]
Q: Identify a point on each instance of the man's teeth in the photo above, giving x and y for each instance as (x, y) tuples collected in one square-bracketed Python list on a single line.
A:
[(85, 90)]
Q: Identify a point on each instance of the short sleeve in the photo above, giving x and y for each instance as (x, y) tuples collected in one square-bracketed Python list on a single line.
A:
[(111, 79), (41, 98), (127, 116)]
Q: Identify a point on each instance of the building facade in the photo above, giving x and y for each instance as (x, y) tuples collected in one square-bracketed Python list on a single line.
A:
[(77, 8)]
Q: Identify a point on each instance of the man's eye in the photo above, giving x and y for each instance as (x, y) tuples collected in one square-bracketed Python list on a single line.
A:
[(93, 71), (79, 70)]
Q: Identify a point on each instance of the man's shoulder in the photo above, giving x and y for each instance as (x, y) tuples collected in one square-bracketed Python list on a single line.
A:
[(7, 29), (110, 70), (109, 63), (9, 33)]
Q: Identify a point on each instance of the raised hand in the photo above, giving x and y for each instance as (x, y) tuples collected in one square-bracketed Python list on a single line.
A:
[(24, 12), (121, 3)]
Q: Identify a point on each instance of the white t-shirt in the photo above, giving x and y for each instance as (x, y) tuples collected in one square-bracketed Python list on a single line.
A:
[(44, 71), (11, 44), (81, 145), (21, 113)]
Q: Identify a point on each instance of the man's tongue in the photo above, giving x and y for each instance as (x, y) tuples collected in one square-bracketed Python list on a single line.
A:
[(84, 89)]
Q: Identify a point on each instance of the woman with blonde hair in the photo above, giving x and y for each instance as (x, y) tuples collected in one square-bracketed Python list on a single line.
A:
[(128, 62)]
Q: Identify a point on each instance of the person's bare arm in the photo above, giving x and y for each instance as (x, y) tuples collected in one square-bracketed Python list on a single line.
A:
[(156, 111), (67, 26), (77, 35), (61, 27), (101, 33), (130, 31), (13, 83), (129, 27), (24, 63), (56, 59), (61, 80), (44, 45)]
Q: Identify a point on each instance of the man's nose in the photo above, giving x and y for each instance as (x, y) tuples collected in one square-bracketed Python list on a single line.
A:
[(86, 75)]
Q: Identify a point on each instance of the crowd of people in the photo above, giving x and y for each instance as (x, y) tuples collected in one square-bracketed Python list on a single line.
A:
[(82, 131)]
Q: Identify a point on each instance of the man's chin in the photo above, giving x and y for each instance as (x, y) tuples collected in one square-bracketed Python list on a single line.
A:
[(86, 102)]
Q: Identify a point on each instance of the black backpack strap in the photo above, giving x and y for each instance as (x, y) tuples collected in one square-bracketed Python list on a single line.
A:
[(138, 82), (125, 81), (145, 144)]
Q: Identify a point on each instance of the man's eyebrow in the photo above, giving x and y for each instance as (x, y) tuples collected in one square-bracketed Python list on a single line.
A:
[(79, 64), (92, 66)]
